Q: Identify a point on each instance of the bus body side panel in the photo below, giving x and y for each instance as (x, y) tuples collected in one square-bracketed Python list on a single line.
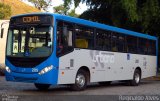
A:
[(80, 57), (104, 66), (149, 66)]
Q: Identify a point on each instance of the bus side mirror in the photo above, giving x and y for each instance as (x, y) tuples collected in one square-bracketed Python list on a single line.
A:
[(2, 32)]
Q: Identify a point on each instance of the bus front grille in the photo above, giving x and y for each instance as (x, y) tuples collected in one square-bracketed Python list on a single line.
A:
[(24, 62)]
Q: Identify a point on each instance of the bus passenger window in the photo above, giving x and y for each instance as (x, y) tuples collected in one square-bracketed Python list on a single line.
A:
[(131, 44), (147, 47), (84, 37), (81, 43), (153, 47), (141, 45), (121, 43), (64, 38), (114, 42), (103, 40)]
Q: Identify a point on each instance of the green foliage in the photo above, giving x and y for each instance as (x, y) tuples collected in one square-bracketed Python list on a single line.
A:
[(61, 9), (150, 15), (41, 4), (65, 10), (130, 7), (5, 11), (138, 15), (73, 13), (67, 3)]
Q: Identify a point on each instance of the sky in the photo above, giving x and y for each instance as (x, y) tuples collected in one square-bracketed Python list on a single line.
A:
[(79, 10)]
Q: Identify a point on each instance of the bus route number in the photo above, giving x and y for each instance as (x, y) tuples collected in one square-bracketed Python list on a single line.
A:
[(34, 70)]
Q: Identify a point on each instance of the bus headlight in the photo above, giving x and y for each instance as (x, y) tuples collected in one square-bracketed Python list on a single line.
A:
[(46, 69), (8, 69)]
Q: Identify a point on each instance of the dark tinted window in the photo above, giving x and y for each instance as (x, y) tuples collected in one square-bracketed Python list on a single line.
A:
[(142, 49), (64, 37), (84, 37), (147, 47), (118, 42), (151, 47), (114, 42), (103, 40), (131, 44)]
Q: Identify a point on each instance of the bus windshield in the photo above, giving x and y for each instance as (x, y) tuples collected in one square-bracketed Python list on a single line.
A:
[(29, 41)]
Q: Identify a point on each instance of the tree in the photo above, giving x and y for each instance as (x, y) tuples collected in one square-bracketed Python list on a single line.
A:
[(67, 3), (61, 9), (5, 11), (138, 15), (73, 13), (150, 16), (65, 10), (41, 4)]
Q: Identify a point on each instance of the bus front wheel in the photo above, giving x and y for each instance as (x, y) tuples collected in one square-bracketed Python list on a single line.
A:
[(42, 86), (80, 81)]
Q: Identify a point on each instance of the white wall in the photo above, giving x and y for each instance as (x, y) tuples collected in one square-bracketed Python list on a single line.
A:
[(3, 40)]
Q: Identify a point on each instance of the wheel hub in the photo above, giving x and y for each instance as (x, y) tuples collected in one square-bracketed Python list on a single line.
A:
[(80, 80), (137, 78)]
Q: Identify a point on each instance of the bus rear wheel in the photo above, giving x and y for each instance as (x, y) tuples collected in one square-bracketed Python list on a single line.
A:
[(42, 86), (80, 81), (136, 78)]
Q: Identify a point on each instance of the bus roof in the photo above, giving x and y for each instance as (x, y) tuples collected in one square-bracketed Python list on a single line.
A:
[(96, 25)]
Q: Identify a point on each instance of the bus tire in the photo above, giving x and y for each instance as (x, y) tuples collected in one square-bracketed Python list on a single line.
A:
[(136, 78), (42, 86), (80, 81), (106, 83)]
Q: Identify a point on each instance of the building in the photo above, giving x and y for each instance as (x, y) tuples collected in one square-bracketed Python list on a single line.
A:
[(4, 24)]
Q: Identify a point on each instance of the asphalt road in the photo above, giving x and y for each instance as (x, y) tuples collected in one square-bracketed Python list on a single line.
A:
[(147, 87)]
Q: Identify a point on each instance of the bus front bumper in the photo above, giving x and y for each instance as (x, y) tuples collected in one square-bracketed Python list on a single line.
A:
[(50, 77)]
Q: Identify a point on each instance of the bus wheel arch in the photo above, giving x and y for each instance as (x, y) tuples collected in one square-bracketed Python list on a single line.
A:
[(136, 77), (82, 79), (140, 70), (86, 69)]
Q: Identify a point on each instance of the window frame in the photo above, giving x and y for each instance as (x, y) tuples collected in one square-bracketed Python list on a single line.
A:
[(71, 47)]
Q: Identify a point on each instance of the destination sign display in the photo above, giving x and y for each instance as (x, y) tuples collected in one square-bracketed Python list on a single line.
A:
[(32, 19)]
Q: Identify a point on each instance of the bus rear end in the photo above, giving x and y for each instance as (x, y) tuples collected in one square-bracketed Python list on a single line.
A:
[(30, 55)]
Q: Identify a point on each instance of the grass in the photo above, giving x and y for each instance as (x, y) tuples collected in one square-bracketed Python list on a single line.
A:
[(19, 7)]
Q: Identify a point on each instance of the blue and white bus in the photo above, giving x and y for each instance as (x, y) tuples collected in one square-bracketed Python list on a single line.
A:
[(50, 49)]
